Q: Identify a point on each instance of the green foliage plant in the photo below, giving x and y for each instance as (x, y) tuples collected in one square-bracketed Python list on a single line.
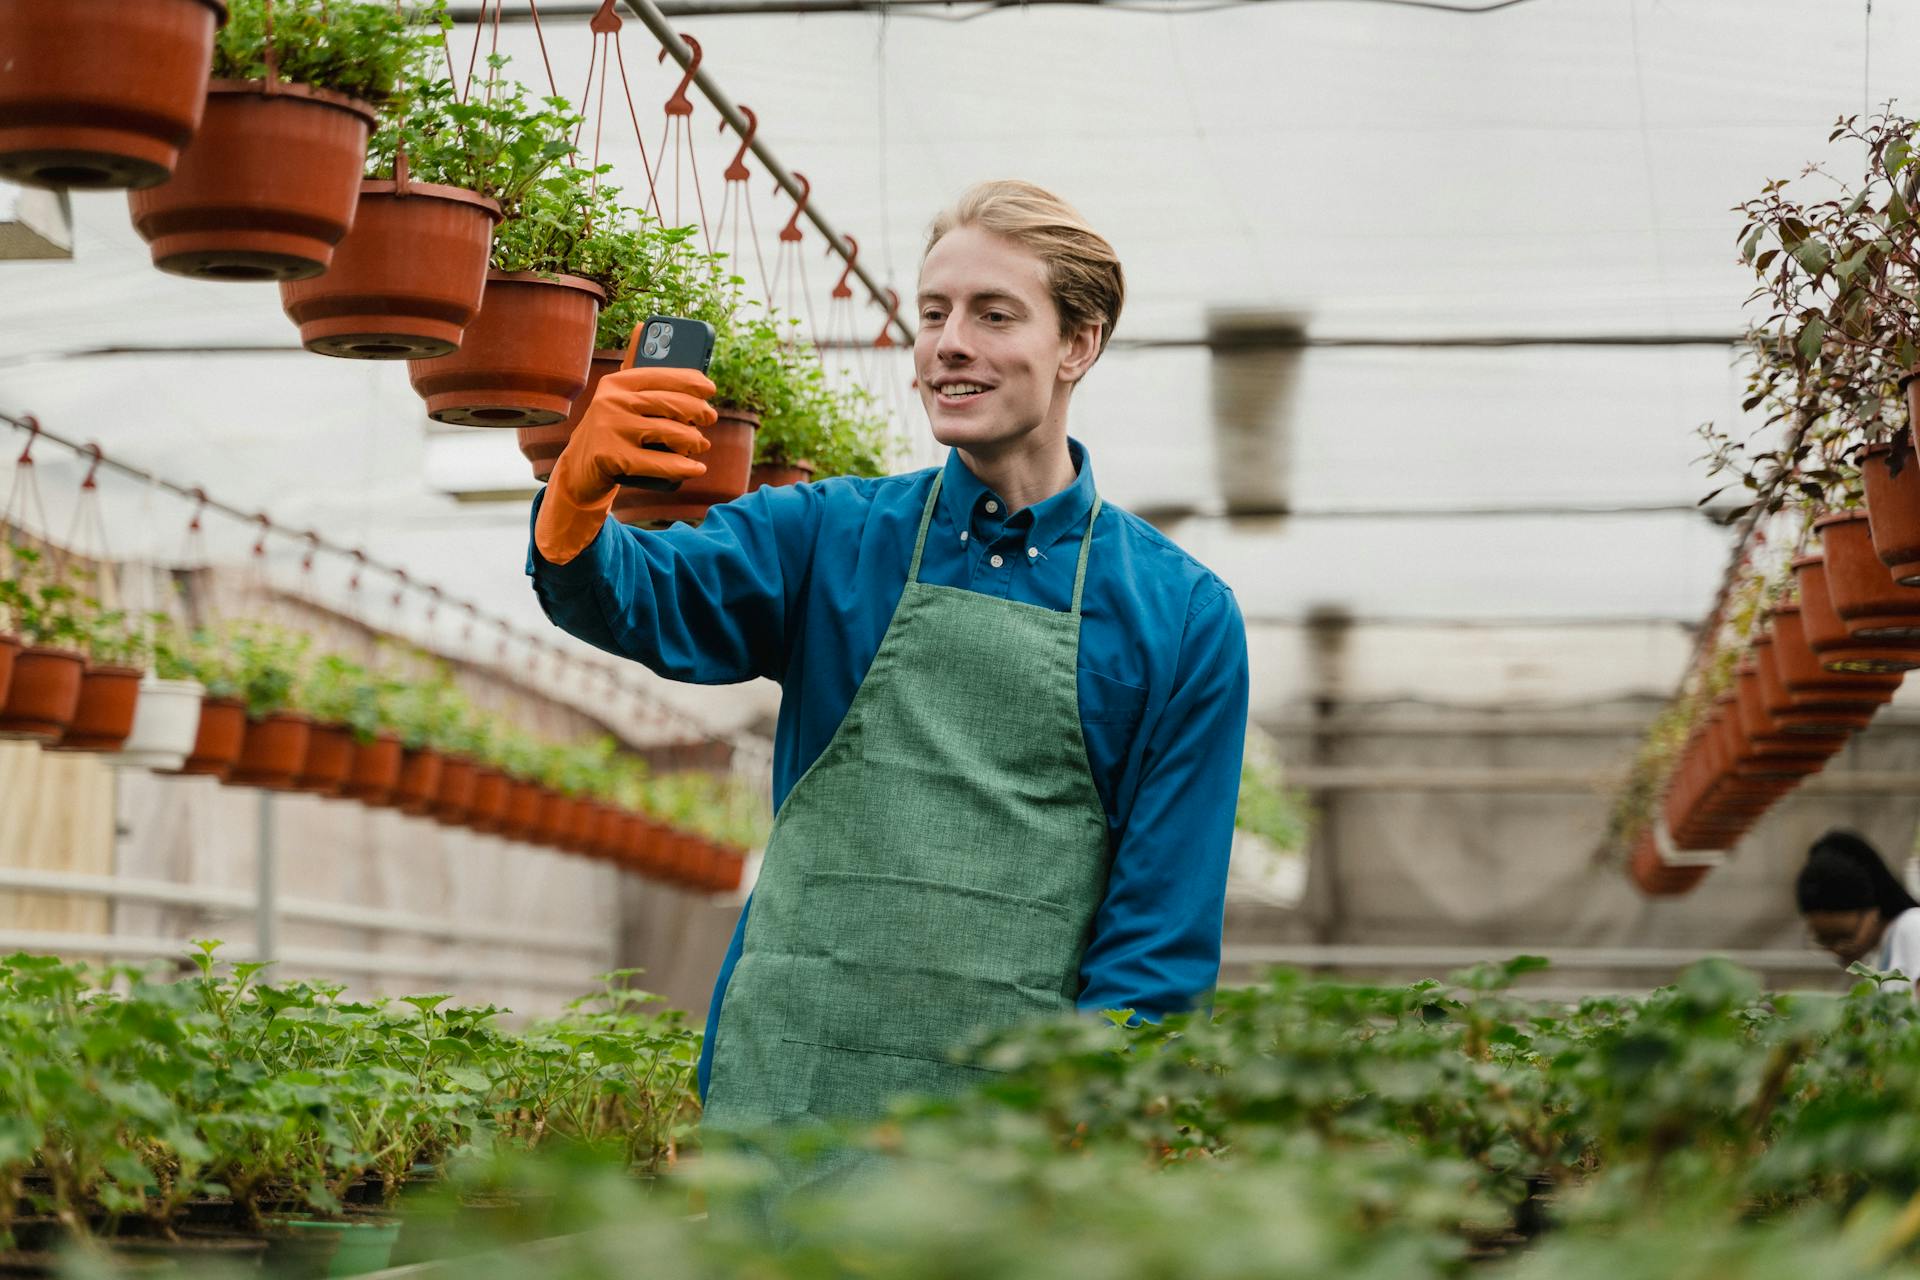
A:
[(366, 49), (336, 690)]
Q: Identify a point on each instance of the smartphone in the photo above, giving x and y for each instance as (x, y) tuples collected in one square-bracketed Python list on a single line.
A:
[(671, 342)]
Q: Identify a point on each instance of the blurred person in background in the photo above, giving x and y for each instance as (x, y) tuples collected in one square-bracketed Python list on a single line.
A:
[(1858, 909)]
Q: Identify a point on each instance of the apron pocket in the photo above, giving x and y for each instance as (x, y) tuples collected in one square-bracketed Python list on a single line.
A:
[(916, 968)]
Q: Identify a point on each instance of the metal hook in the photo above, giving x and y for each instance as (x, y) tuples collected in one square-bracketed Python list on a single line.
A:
[(266, 527), (791, 231), (680, 104), (199, 506), (33, 433), (93, 468), (737, 171), (607, 21), (886, 329), (313, 549), (841, 290)]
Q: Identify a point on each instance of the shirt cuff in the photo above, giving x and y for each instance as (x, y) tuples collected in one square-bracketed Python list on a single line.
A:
[(583, 570)]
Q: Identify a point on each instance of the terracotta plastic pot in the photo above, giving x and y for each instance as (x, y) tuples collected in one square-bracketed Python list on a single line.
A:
[(1804, 676), (524, 358), (729, 866), (328, 761), (1803, 715), (610, 834), (9, 651), (374, 772), (523, 810), (779, 473), (729, 466), (1658, 878), (453, 798), (1873, 606), (102, 94), (542, 446), (489, 807), (1892, 477), (165, 725), (1767, 737), (273, 751), (218, 738), (266, 190), (43, 694), (556, 819), (1827, 635), (406, 282), (103, 718), (419, 784)]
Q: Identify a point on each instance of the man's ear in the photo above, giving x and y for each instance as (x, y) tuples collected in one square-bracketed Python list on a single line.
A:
[(1083, 348)]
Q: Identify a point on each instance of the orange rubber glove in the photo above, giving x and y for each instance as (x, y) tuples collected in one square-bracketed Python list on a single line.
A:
[(633, 408)]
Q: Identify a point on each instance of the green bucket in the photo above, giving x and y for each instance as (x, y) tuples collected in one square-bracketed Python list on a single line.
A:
[(360, 1245)]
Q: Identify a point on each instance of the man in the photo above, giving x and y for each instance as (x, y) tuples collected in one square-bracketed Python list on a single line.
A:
[(1009, 740)]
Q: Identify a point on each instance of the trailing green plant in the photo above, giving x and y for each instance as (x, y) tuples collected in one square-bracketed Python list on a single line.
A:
[(720, 807), (565, 225), (497, 140), (43, 608), (367, 49)]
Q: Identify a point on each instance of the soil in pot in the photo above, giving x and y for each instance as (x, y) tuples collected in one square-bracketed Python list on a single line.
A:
[(419, 783), (103, 718), (542, 446), (272, 752), (101, 95), (1828, 636), (265, 191), (524, 358), (329, 757), (217, 742), (1891, 474), (453, 798), (374, 772), (43, 694), (729, 466), (405, 282)]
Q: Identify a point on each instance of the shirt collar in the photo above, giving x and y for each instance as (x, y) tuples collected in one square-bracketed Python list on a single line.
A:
[(963, 498)]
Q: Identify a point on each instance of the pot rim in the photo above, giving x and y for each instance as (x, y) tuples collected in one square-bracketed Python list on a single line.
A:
[(225, 701), (1839, 517), (151, 683), (738, 413), (113, 669), (433, 191), (219, 7), (52, 651), (581, 283), (1806, 561), (289, 89), (297, 717)]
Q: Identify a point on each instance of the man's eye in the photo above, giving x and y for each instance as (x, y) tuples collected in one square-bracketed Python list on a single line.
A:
[(929, 316), (997, 316)]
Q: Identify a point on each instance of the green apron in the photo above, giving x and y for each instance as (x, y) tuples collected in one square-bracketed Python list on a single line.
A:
[(936, 871)]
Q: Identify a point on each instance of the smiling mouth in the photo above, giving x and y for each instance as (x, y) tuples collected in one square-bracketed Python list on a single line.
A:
[(960, 392)]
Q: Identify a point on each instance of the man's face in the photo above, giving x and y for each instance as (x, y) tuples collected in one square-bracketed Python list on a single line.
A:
[(989, 362), (1850, 935)]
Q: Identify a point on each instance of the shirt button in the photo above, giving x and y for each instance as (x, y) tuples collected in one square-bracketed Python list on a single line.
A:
[(996, 562), (963, 535), (1032, 552), (992, 506)]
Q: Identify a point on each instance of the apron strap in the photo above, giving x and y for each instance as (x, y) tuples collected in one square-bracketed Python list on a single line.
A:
[(1079, 572)]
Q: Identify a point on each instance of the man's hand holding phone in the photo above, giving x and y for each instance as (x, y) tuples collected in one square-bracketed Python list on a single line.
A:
[(644, 423)]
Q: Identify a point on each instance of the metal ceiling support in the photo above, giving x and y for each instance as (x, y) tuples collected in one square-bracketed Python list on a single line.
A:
[(656, 22)]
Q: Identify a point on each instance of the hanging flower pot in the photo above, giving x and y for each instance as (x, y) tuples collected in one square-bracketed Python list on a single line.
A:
[(218, 738), (273, 751), (524, 358), (1656, 877), (1891, 474), (101, 94), (267, 189), (454, 796), (1803, 715), (779, 473), (405, 282), (328, 761), (1870, 603), (374, 772), (1828, 636), (729, 467), (542, 446), (1804, 676), (489, 808), (1765, 737), (609, 832), (166, 724), (419, 784), (9, 652), (556, 819), (43, 694), (523, 810), (102, 719), (729, 868)]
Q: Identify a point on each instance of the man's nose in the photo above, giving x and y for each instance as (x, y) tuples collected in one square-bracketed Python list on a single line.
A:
[(955, 343)]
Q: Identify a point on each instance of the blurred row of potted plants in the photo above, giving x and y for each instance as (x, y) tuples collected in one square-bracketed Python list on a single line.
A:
[(253, 704), (314, 143), (1823, 620)]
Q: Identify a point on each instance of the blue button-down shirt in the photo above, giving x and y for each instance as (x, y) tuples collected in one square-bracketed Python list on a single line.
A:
[(798, 583)]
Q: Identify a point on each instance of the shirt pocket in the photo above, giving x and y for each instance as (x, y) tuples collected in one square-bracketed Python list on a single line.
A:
[(1110, 712)]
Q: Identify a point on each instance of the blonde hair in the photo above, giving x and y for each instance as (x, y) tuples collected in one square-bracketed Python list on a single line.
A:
[(1083, 271)]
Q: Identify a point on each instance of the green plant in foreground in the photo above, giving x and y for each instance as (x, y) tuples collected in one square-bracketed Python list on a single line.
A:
[(367, 49), (498, 141)]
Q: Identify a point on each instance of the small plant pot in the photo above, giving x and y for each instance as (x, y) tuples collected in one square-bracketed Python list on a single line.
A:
[(1805, 677), (1891, 474), (729, 868), (300, 1249), (328, 762), (266, 190), (1765, 736), (522, 817), (43, 694), (489, 807), (375, 771), (555, 820), (1827, 635), (582, 826), (405, 282), (542, 446), (419, 784), (101, 95), (273, 752), (729, 467), (1804, 715), (9, 652), (610, 833), (217, 739), (524, 358), (453, 798), (166, 723), (1873, 607), (779, 473), (103, 718)]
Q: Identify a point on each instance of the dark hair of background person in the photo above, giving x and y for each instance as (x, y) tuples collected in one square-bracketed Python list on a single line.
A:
[(1845, 873)]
